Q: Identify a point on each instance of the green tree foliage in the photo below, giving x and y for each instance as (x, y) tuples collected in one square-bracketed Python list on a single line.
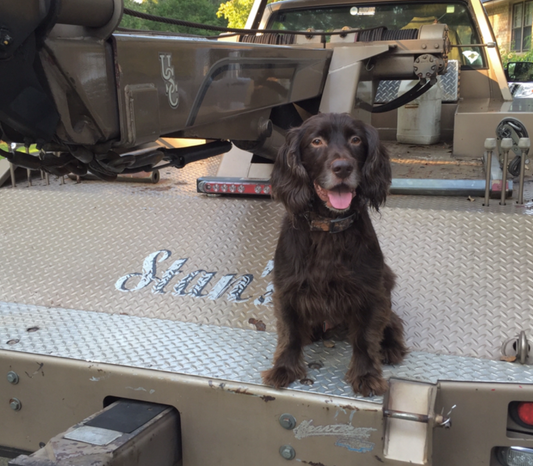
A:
[(196, 11), (236, 12), (513, 56)]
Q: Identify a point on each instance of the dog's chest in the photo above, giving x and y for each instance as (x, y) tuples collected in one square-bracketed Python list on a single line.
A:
[(335, 250), (336, 274)]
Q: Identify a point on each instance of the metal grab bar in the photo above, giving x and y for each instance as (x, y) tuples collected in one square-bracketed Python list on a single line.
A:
[(507, 145), (524, 145), (490, 145)]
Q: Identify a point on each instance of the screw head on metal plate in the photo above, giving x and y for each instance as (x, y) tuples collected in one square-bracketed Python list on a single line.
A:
[(287, 452), (15, 404), (12, 377), (287, 421)]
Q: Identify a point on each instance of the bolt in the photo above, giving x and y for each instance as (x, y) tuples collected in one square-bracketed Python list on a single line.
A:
[(287, 421), (15, 404), (307, 381), (315, 365), (5, 37), (287, 452), (436, 46), (12, 377), (424, 46)]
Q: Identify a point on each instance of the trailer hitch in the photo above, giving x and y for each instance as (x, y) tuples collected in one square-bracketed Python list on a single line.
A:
[(126, 432)]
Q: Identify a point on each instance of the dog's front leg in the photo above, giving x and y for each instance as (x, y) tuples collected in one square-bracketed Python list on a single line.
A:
[(288, 358), (364, 373)]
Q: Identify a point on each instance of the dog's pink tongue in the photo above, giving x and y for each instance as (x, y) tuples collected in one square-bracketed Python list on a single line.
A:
[(340, 200)]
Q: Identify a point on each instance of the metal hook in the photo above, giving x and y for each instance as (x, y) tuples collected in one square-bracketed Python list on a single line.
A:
[(445, 421), (516, 348), (522, 347)]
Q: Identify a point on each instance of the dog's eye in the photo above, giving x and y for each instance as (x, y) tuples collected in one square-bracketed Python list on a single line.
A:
[(317, 142), (355, 140)]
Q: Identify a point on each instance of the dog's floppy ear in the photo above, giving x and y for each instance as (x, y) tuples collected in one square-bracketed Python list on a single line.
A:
[(290, 181), (376, 173)]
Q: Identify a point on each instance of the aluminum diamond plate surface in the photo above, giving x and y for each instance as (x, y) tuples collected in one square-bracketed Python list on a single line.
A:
[(214, 352), (388, 89), (163, 251), (450, 82), (464, 281)]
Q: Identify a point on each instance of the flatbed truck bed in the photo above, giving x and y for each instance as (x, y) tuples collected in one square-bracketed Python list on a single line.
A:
[(155, 292)]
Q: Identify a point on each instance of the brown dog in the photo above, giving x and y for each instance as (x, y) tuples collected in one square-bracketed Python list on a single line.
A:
[(328, 266)]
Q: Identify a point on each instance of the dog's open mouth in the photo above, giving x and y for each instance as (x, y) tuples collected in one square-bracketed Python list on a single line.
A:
[(338, 198)]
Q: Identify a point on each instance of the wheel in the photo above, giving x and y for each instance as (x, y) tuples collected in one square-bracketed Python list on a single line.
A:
[(514, 129)]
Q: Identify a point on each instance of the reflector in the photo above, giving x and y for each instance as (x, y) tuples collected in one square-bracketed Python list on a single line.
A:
[(516, 456), (525, 413)]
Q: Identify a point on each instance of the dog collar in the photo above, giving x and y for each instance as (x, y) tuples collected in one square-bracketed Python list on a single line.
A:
[(319, 223)]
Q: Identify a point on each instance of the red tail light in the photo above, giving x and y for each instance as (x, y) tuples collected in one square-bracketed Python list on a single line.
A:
[(521, 413), (220, 185), (525, 413)]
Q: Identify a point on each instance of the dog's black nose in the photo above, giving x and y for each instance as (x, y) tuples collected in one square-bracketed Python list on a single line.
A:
[(342, 168)]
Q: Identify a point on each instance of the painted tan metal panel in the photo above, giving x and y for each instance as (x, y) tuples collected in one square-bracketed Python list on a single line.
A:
[(221, 423)]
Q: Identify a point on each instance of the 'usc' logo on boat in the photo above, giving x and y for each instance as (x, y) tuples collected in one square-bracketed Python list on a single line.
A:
[(171, 86)]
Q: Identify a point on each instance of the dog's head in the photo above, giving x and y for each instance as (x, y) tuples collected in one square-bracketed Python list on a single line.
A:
[(332, 159)]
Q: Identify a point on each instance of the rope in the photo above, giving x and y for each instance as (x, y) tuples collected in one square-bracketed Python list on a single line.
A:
[(208, 27)]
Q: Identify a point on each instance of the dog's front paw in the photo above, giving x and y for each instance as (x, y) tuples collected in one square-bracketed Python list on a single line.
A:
[(282, 376), (368, 384)]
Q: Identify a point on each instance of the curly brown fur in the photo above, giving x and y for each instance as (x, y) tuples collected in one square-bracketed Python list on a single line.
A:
[(333, 166)]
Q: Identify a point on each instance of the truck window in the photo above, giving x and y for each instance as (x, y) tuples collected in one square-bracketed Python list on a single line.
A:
[(391, 16)]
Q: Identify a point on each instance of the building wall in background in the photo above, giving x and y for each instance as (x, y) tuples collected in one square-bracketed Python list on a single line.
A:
[(500, 18)]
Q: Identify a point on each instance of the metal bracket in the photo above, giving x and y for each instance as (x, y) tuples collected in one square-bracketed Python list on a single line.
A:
[(516, 348)]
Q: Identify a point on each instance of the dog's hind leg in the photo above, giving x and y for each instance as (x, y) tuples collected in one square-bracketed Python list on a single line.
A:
[(393, 347)]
